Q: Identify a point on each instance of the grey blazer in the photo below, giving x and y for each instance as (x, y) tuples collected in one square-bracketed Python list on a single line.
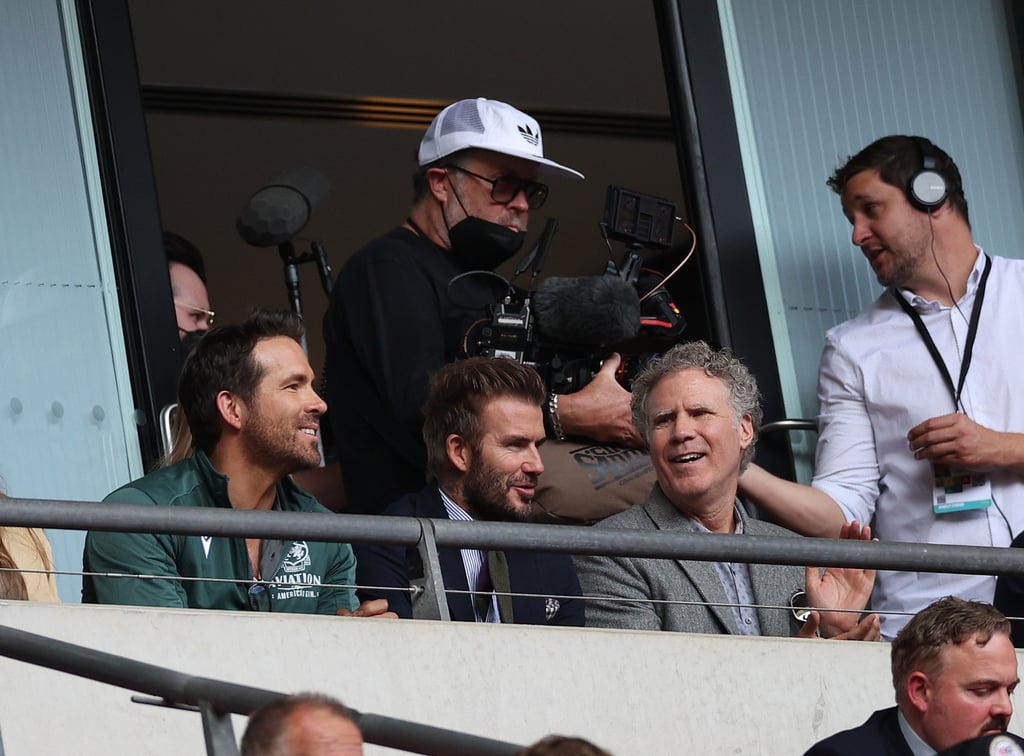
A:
[(643, 579)]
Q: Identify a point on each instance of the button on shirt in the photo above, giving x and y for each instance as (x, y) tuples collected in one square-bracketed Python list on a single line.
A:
[(474, 561), (735, 578), (877, 381)]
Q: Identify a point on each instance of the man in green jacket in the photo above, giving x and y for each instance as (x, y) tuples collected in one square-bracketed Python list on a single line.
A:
[(247, 391)]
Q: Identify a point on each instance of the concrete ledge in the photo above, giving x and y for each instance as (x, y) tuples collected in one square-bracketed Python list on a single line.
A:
[(631, 692)]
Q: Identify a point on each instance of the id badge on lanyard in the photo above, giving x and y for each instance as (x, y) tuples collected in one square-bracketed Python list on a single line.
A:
[(955, 489)]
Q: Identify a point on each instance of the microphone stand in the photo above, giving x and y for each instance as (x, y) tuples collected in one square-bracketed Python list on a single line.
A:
[(322, 267), (291, 263), (291, 275), (291, 271)]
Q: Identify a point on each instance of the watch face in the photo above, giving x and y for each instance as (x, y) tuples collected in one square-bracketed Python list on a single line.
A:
[(799, 607)]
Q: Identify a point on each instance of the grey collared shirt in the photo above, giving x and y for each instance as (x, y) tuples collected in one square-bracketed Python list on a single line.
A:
[(735, 579)]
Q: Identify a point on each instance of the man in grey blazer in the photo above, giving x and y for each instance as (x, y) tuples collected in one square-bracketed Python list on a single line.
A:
[(698, 410)]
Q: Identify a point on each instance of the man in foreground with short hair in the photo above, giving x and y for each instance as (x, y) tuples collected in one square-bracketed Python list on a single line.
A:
[(563, 745), (247, 391), (483, 424), (699, 411), (306, 724), (954, 670)]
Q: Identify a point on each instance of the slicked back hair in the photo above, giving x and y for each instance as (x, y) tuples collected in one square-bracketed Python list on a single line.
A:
[(222, 360), (922, 643), (458, 393), (740, 385), (898, 159), (180, 250), (267, 733)]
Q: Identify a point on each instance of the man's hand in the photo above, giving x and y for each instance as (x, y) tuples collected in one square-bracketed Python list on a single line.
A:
[(868, 629), (600, 410), (955, 439), (842, 588), (371, 608)]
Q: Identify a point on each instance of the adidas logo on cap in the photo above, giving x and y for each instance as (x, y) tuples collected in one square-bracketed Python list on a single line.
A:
[(527, 133)]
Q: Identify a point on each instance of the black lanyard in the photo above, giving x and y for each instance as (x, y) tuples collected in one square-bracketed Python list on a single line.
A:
[(972, 332)]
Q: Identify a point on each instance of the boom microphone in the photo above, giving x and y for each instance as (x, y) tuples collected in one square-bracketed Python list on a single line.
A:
[(278, 211), (587, 310)]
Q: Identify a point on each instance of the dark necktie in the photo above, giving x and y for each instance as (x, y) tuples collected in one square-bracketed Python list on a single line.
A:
[(482, 592), (498, 565), (494, 577)]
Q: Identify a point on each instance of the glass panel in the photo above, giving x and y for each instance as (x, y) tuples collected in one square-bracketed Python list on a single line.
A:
[(816, 80), (67, 428)]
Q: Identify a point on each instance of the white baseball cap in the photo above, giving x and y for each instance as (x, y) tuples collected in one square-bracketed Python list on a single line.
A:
[(488, 125)]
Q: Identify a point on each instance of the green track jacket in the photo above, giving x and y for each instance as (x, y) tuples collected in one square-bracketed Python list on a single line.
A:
[(195, 483)]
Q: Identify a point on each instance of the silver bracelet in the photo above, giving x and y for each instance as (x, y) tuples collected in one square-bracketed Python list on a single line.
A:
[(556, 421)]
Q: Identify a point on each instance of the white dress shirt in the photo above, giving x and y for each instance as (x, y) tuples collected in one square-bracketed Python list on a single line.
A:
[(877, 381), (917, 746)]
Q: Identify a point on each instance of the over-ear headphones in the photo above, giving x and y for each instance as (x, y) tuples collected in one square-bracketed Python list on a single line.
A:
[(927, 189)]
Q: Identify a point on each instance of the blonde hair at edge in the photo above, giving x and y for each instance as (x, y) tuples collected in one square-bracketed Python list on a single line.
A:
[(181, 441), (12, 584)]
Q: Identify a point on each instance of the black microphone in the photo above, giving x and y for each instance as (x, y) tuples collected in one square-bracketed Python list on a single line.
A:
[(586, 311), (281, 209)]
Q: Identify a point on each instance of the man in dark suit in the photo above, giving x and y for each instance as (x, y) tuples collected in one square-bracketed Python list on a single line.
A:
[(698, 410), (954, 669), (482, 425), (1009, 598)]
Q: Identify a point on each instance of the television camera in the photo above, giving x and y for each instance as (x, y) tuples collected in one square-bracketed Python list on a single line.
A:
[(567, 326)]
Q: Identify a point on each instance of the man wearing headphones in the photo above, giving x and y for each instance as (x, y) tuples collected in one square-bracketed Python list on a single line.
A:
[(918, 430)]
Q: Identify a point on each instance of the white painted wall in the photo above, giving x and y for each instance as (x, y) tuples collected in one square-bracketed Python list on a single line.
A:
[(655, 694)]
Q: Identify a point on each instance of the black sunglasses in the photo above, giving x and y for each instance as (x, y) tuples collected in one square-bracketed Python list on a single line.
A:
[(259, 597), (504, 189)]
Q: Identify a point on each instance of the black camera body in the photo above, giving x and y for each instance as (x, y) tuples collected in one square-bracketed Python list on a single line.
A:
[(638, 219), (509, 334), (567, 365)]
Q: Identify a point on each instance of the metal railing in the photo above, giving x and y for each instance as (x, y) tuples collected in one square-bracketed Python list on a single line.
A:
[(216, 700), (428, 535), (571, 539), (789, 425)]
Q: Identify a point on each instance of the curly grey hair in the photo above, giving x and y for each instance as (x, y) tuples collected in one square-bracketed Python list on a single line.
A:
[(739, 381)]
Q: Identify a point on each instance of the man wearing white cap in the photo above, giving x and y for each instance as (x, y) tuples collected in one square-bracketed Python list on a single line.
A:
[(402, 307)]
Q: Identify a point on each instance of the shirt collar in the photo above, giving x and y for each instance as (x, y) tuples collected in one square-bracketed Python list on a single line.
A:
[(919, 302), (453, 510), (697, 526), (917, 746)]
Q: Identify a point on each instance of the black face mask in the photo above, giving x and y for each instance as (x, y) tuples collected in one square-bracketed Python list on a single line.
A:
[(478, 244), (190, 339)]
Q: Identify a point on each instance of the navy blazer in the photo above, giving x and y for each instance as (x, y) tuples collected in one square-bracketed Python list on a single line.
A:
[(1009, 599), (879, 736), (380, 566)]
